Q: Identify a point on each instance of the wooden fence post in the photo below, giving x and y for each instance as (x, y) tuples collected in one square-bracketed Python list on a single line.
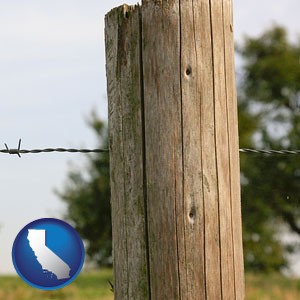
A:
[(174, 157)]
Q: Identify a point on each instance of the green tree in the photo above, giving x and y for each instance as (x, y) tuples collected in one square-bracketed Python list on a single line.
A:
[(87, 195), (269, 118)]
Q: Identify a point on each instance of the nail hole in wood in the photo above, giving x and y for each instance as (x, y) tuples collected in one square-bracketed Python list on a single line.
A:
[(188, 71)]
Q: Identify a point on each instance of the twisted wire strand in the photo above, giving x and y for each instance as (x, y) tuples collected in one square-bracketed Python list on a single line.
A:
[(72, 150), (19, 151), (270, 151), (47, 150)]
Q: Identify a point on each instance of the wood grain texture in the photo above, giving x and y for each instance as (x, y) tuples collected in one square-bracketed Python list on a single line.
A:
[(126, 153), (174, 151), (201, 28), (222, 148), (234, 149), (201, 201), (116, 158), (162, 98)]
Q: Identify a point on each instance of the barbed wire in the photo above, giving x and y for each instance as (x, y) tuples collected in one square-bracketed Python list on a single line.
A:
[(18, 151), (270, 151)]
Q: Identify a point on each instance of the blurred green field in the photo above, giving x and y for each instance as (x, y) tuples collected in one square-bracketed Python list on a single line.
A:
[(271, 287), (91, 286), (94, 285)]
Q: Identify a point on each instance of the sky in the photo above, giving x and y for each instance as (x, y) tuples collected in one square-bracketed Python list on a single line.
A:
[(52, 74)]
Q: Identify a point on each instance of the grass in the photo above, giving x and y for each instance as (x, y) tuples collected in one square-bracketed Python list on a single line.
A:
[(271, 287), (94, 285)]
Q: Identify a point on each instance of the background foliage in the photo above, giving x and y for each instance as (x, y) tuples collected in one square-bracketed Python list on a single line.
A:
[(269, 118), (87, 195)]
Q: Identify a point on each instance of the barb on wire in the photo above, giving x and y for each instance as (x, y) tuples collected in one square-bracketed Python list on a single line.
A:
[(20, 151), (14, 151)]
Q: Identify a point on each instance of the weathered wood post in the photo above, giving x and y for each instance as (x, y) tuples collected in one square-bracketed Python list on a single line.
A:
[(174, 151)]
